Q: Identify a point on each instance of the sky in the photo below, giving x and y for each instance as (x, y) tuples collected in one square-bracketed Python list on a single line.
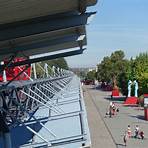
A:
[(118, 25)]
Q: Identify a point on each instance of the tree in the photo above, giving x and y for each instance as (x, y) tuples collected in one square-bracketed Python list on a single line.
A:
[(118, 70), (141, 72), (111, 67), (60, 62), (91, 75), (136, 69)]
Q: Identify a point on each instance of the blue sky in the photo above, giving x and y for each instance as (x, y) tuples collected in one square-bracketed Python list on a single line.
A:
[(118, 24)]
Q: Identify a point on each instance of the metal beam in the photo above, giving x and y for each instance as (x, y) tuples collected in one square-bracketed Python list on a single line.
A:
[(16, 10), (39, 44), (43, 50), (41, 25), (50, 57), (82, 6)]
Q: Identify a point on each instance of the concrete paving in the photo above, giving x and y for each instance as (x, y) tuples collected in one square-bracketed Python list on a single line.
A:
[(108, 132)]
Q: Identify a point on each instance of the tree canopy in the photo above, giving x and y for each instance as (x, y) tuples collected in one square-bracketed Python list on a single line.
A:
[(111, 67), (118, 70), (60, 62), (140, 71), (91, 75)]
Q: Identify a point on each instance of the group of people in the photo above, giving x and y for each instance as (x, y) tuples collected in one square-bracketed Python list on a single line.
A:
[(128, 134), (112, 109), (139, 134)]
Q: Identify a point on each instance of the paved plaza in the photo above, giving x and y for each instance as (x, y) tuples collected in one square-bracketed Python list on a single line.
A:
[(108, 132)]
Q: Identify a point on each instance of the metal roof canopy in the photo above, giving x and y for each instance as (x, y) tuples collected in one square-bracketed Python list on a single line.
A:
[(34, 27), (43, 42), (18, 10)]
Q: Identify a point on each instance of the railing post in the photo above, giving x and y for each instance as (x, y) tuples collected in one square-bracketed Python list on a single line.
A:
[(7, 140)]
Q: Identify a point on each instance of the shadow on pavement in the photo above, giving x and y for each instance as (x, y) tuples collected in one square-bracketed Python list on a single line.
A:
[(138, 117), (120, 145)]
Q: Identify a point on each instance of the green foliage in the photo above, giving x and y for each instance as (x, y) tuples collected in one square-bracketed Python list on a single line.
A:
[(111, 67), (60, 62), (122, 82), (137, 70), (82, 75), (141, 72), (116, 68), (91, 75)]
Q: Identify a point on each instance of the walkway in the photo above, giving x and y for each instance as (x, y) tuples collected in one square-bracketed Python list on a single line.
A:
[(108, 132)]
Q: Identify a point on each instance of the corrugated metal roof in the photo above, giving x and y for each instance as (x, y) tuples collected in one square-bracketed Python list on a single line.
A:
[(30, 27), (42, 43), (18, 10)]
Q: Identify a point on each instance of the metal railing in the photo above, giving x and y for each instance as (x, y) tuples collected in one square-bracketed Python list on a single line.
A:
[(20, 101)]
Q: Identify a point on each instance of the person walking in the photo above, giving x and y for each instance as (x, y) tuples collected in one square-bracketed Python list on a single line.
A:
[(125, 138), (129, 131), (110, 109), (113, 108), (141, 135), (136, 131)]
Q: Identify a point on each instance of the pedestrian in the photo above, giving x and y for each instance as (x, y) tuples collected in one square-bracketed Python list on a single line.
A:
[(117, 110), (110, 103), (113, 108), (129, 131), (110, 109), (141, 135), (136, 131), (125, 138)]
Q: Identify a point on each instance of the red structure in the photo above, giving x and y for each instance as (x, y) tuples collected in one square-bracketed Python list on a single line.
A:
[(145, 95), (131, 101), (12, 72), (146, 114), (115, 93), (146, 106)]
